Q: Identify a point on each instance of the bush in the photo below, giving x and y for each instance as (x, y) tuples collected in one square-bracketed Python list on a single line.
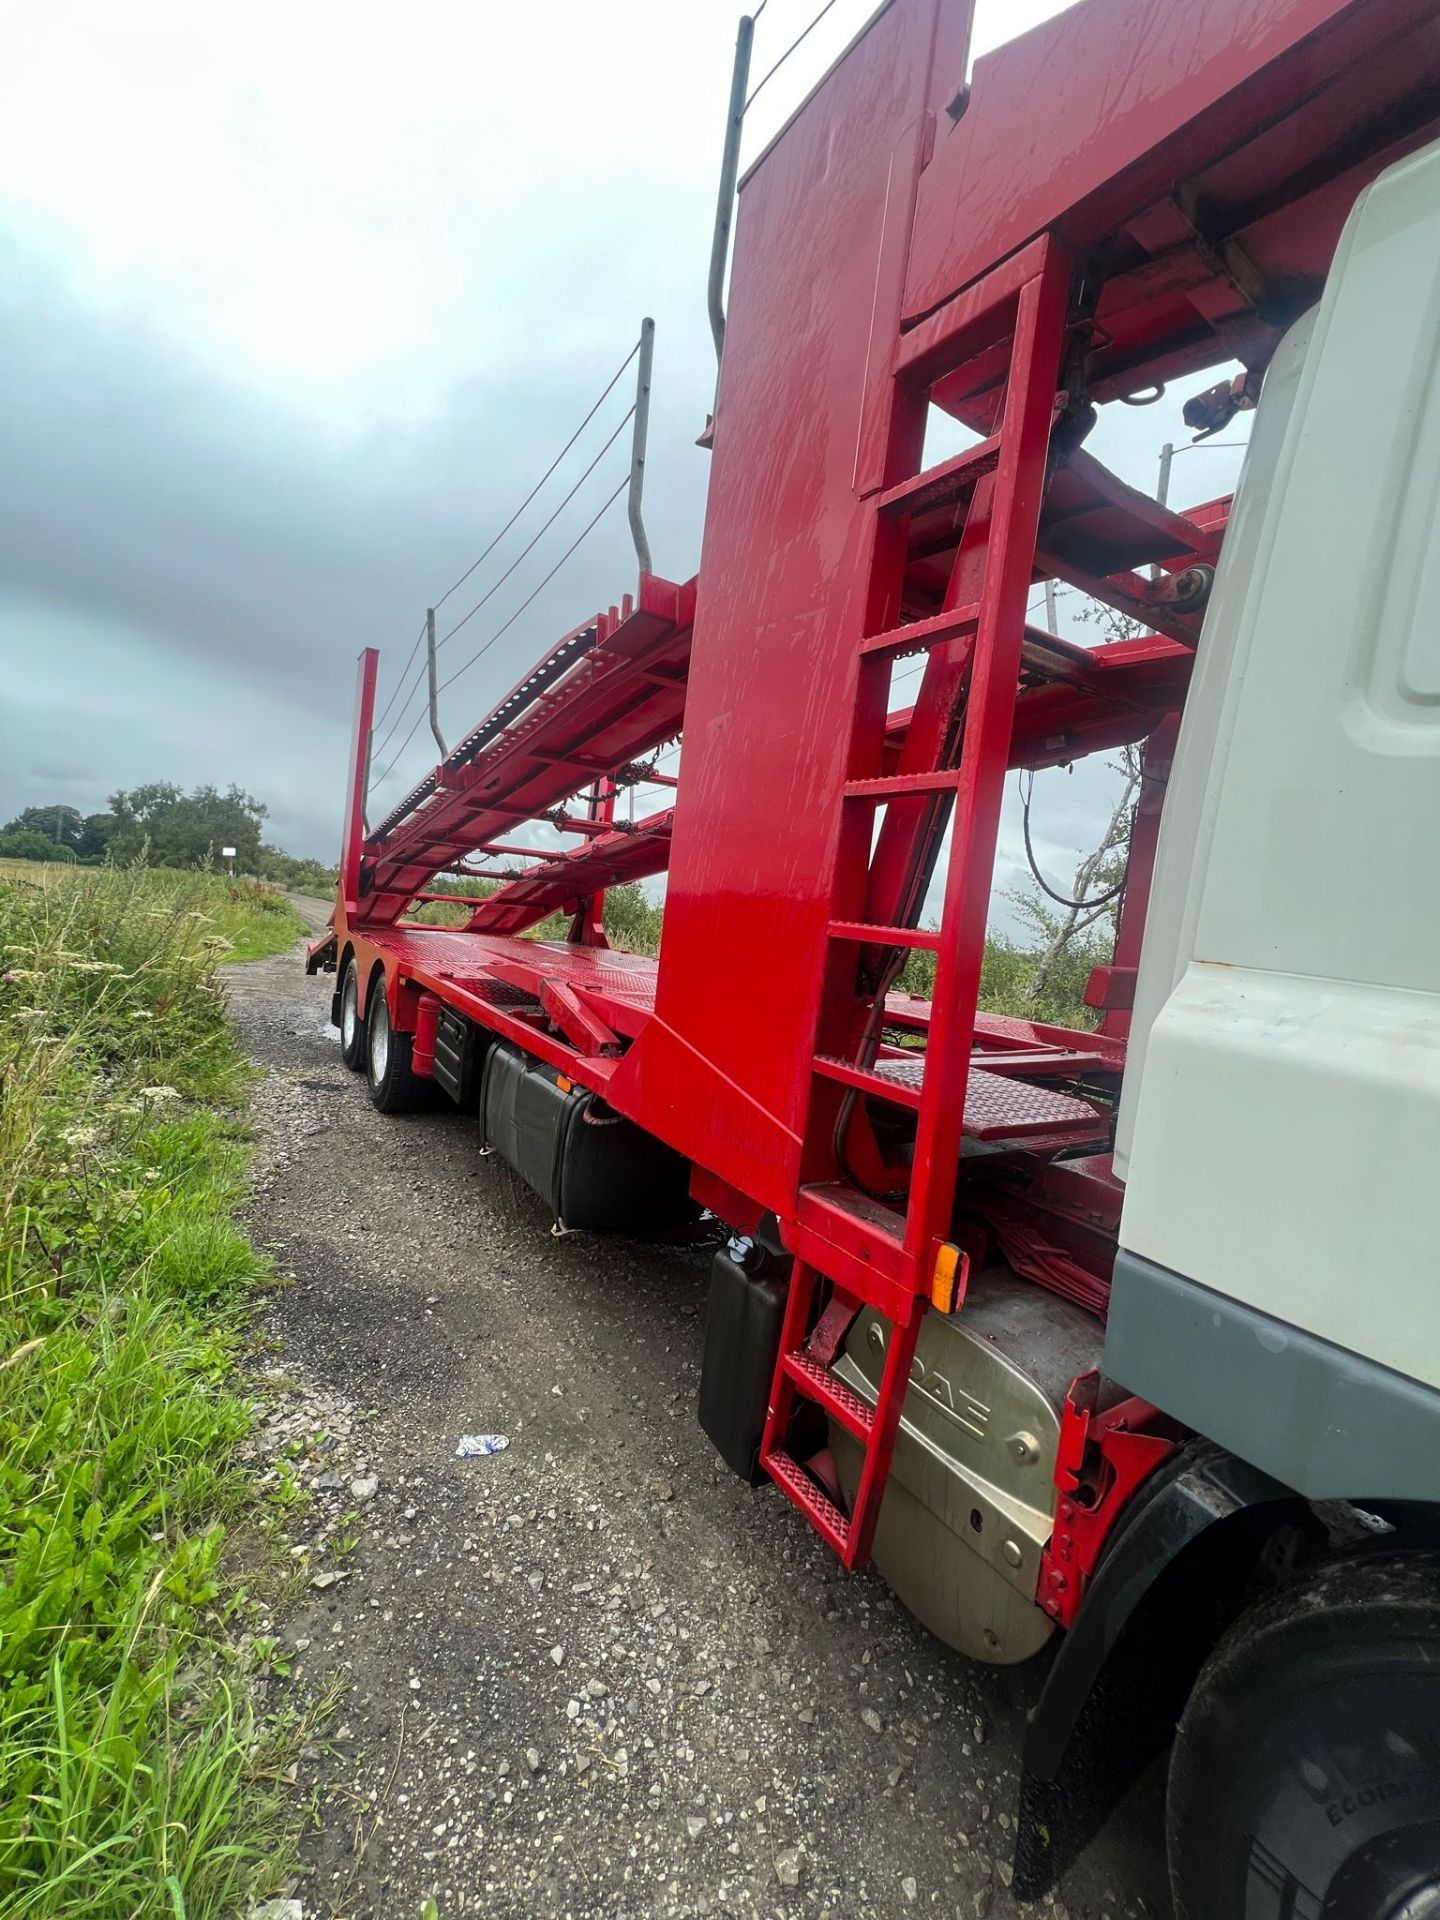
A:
[(301, 876), (23, 843)]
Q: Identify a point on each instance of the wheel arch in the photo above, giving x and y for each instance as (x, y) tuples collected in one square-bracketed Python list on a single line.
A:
[(377, 970), (1200, 1539), (402, 996), (1207, 1535)]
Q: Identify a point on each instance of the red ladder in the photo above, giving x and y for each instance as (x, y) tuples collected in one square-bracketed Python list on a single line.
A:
[(1003, 339), (798, 1373)]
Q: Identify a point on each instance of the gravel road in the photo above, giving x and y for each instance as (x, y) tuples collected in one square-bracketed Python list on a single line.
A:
[(592, 1675)]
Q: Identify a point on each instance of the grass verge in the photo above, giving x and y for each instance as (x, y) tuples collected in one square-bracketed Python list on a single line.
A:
[(247, 919), (136, 1778)]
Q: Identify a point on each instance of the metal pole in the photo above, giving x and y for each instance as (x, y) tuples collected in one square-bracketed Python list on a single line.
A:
[(365, 782), (637, 444), (1050, 625), (434, 691), (1162, 487), (729, 173)]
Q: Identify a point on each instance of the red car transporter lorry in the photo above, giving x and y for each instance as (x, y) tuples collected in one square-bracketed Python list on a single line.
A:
[(1125, 1338)]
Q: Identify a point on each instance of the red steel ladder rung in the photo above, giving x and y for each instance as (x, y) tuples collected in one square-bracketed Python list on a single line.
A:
[(920, 635), (943, 485), (870, 935), (898, 1081), (797, 1373), (817, 1382), (895, 786)]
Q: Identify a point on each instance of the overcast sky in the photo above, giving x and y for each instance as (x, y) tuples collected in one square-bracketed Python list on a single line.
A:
[(296, 303)]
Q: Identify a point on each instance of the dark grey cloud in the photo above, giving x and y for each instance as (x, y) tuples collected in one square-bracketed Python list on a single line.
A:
[(189, 563)]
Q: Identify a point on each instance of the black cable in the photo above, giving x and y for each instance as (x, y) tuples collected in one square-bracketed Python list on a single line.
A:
[(1060, 899), (415, 648), (526, 551), (543, 478), (382, 778), (538, 590), (376, 751), (787, 53), (500, 630)]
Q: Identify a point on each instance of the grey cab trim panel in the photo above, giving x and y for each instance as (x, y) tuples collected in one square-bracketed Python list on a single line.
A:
[(1329, 1423)]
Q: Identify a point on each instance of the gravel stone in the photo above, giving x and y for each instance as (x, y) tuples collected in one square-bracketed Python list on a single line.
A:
[(788, 1867)]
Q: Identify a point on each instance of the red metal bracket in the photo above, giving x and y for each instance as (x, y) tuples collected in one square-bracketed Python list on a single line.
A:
[(1102, 1460), (1111, 987), (580, 1024)]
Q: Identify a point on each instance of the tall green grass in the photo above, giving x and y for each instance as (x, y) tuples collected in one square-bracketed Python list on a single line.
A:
[(135, 1780)]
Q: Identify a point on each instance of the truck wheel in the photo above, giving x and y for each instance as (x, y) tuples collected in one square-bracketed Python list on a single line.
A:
[(1305, 1777), (394, 1088), (352, 1027)]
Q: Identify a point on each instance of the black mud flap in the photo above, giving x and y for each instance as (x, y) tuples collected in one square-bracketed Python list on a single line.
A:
[(1181, 1566), (742, 1340)]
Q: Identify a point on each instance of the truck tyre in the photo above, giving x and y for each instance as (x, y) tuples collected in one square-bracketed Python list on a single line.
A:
[(1305, 1776), (394, 1087), (352, 1027)]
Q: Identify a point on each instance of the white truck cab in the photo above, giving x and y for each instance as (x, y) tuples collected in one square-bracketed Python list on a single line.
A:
[(1278, 1285)]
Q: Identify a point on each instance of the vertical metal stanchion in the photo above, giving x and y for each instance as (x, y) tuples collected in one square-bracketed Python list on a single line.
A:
[(637, 444), (729, 174), (434, 690)]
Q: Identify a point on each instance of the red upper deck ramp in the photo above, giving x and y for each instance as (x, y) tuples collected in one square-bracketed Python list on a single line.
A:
[(609, 692)]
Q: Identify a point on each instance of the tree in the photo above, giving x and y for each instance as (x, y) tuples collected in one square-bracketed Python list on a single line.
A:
[(631, 921), (62, 826), (95, 840), (304, 876), (177, 829), (1096, 888), (1098, 883)]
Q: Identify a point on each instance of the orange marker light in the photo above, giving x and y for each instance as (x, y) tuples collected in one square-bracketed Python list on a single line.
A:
[(947, 1284)]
